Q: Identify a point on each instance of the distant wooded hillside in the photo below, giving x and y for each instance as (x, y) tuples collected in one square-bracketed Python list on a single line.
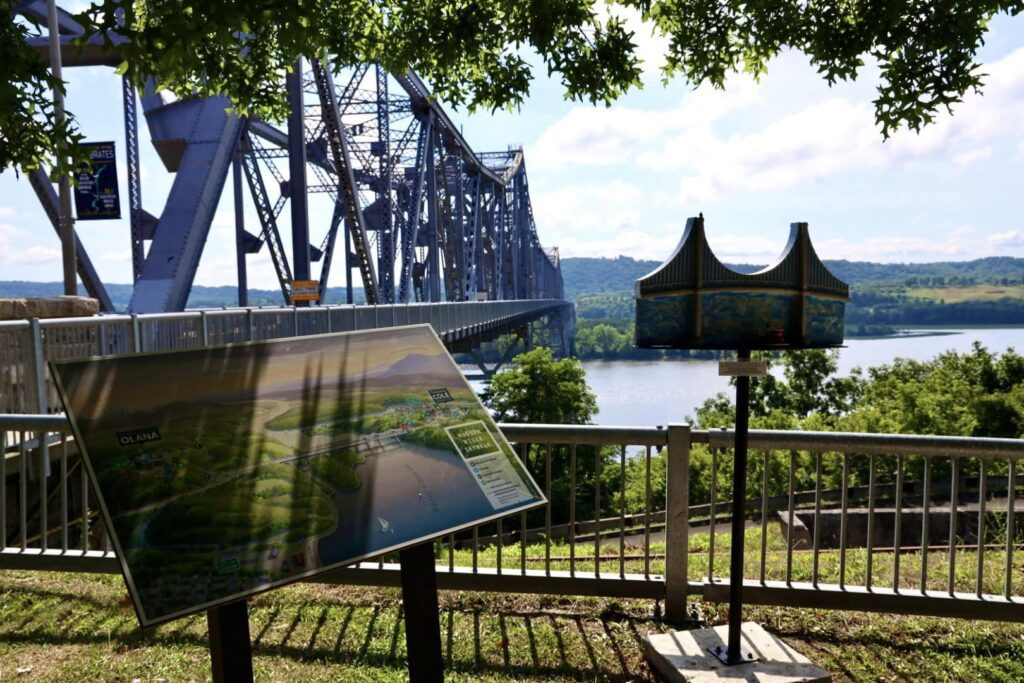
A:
[(601, 275), (983, 291), (201, 297)]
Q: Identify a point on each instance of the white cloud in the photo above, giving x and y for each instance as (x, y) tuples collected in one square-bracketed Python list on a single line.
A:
[(615, 135), (819, 140), (1012, 239), (588, 209), (31, 256), (7, 212), (639, 244), (972, 155), (123, 256), (955, 245)]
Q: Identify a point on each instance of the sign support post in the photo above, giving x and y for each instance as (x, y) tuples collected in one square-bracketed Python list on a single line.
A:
[(422, 620), (230, 647), (734, 654)]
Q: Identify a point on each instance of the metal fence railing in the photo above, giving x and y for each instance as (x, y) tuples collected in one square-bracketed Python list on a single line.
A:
[(868, 522), (27, 345)]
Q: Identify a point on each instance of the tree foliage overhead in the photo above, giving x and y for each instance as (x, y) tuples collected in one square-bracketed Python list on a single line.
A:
[(926, 50), (485, 53)]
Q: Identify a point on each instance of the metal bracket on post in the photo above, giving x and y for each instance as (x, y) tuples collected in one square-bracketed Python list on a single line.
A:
[(136, 337), (37, 393), (37, 399), (677, 521), (205, 324)]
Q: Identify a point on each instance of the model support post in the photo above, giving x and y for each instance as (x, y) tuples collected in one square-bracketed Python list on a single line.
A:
[(230, 648), (422, 621), (734, 653)]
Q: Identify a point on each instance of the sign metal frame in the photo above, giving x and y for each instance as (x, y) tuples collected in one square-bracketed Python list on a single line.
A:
[(146, 621)]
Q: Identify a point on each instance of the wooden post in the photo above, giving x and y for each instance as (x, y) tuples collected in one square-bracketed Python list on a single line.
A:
[(422, 621), (230, 648), (677, 534)]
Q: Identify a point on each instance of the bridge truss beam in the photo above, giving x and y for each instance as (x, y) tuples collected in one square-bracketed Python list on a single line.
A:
[(425, 217)]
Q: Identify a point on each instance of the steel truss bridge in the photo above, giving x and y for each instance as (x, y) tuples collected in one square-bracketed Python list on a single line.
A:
[(417, 212)]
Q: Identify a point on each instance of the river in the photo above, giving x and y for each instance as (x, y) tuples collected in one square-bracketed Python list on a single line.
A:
[(651, 393)]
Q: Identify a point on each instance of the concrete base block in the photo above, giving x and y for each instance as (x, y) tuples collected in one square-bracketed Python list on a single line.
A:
[(684, 657), (48, 307)]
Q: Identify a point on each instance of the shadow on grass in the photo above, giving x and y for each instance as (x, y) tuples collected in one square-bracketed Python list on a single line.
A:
[(514, 643)]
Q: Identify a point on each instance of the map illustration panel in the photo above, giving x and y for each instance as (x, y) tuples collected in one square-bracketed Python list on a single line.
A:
[(227, 471)]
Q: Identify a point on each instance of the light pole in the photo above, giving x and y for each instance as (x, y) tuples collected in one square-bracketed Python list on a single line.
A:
[(66, 223)]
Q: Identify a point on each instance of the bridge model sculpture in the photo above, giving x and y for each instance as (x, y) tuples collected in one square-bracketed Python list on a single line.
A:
[(692, 300), (423, 216)]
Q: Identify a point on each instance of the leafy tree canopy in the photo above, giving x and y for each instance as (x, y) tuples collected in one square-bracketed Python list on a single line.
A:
[(977, 393), (484, 53), (540, 389)]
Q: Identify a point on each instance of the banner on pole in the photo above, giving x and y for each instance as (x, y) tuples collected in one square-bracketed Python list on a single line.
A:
[(96, 193)]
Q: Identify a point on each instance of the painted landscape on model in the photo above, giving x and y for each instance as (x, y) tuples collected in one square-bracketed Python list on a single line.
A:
[(226, 471)]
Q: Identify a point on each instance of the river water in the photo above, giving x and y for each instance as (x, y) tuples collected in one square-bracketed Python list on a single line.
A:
[(659, 392)]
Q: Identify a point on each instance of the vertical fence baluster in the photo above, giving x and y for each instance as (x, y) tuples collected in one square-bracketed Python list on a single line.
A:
[(63, 493), (43, 472), (451, 553), (647, 513), (524, 450), (83, 477), (790, 517), (3, 489), (1011, 495), (476, 548), (547, 512), (842, 519), (925, 510), (869, 564), (501, 542), (954, 496), (817, 518), (622, 513), (597, 511), (764, 513), (572, 510), (982, 495), (23, 492), (711, 535), (522, 543), (897, 524)]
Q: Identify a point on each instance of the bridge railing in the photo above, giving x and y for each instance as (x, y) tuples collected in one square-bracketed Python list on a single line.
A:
[(903, 524), (27, 345)]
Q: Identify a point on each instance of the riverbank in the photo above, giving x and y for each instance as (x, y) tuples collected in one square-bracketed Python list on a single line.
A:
[(663, 391)]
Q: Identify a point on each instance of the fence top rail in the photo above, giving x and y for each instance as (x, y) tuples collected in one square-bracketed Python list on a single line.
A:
[(520, 304), (602, 435), (32, 423), (598, 435), (867, 444)]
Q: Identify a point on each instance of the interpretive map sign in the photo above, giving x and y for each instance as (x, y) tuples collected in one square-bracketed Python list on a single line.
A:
[(226, 471), (96, 194)]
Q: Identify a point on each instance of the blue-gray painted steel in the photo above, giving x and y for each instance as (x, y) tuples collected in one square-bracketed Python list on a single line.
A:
[(196, 140)]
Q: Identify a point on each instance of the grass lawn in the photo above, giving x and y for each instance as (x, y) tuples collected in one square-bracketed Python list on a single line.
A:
[(80, 628), (952, 295)]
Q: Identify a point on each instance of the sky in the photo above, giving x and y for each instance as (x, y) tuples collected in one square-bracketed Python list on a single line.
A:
[(622, 180)]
